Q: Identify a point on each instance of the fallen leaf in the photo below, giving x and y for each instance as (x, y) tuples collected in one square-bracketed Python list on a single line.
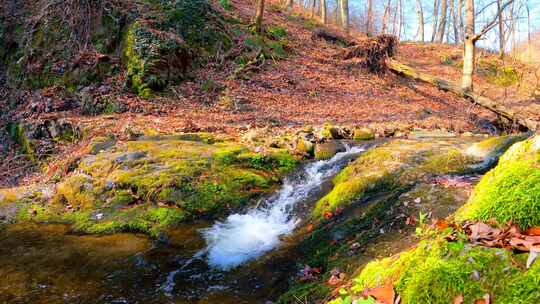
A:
[(384, 294), (532, 231), (458, 299)]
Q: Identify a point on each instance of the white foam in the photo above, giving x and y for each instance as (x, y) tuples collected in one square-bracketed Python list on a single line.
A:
[(242, 237)]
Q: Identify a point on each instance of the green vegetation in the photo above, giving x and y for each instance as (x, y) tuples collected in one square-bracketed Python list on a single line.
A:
[(511, 191), (498, 74), (147, 185), (437, 271)]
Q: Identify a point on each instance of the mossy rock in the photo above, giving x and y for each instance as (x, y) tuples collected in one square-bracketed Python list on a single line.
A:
[(493, 147), (148, 185), (363, 134), (391, 166), (153, 58), (510, 191), (437, 271), (328, 149)]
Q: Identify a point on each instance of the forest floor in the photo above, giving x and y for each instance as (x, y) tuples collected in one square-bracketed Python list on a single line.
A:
[(310, 87), (508, 81)]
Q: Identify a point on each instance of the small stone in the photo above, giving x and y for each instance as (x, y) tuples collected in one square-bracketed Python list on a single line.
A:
[(418, 200), (475, 275)]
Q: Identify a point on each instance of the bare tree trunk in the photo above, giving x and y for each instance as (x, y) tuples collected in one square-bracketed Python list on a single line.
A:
[(501, 30), (435, 19), (259, 15), (420, 13), (385, 18), (442, 22), (345, 14), (290, 4), (395, 21), (454, 21), (337, 12), (529, 39), (460, 19), (469, 48), (401, 20), (323, 11), (369, 19)]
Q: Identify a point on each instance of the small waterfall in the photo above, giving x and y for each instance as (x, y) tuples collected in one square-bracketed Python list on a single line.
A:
[(242, 237)]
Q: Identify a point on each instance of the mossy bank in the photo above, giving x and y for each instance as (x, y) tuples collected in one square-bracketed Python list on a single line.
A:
[(152, 183), (439, 271)]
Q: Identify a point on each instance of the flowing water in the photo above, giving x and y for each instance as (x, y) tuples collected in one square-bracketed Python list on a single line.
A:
[(225, 262), (242, 237)]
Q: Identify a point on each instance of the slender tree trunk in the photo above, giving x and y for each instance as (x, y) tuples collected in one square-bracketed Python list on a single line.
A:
[(454, 18), (420, 13), (460, 19), (313, 7), (290, 4), (345, 14), (386, 16), (323, 11), (259, 15), (369, 19), (435, 19), (395, 21), (442, 22), (401, 20), (469, 47), (501, 29), (529, 38)]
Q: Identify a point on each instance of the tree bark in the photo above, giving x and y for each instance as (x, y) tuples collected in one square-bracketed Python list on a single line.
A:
[(454, 21), (259, 15), (445, 85), (290, 4), (501, 30), (420, 13), (435, 19), (369, 19), (323, 11), (345, 14), (386, 17), (442, 22), (469, 47)]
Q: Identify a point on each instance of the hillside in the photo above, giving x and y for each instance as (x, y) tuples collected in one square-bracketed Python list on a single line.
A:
[(306, 87)]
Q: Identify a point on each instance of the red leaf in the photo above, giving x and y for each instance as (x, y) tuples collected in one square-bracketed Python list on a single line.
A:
[(384, 294)]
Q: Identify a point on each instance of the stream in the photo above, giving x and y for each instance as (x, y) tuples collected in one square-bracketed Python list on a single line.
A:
[(244, 258)]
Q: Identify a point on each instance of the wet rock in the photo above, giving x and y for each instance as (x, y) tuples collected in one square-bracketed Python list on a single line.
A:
[(488, 151), (328, 149), (363, 134), (100, 144), (330, 131), (130, 156), (419, 134), (304, 144), (37, 138)]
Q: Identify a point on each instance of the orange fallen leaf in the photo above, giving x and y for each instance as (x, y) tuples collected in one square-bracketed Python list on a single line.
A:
[(484, 300), (533, 231), (384, 294)]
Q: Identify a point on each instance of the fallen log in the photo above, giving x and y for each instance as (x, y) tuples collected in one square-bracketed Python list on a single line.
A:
[(333, 37), (497, 108)]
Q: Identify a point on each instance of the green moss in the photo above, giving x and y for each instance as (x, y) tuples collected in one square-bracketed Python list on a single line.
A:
[(150, 184), (511, 191), (437, 271), (16, 131)]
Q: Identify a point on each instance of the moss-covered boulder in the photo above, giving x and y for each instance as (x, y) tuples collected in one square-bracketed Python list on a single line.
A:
[(391, 166), (149, 184), (437, 271), (511, 191), (492, 148), (154, 58)]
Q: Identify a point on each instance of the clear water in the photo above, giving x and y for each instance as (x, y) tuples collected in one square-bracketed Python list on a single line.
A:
[(243, 237)]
